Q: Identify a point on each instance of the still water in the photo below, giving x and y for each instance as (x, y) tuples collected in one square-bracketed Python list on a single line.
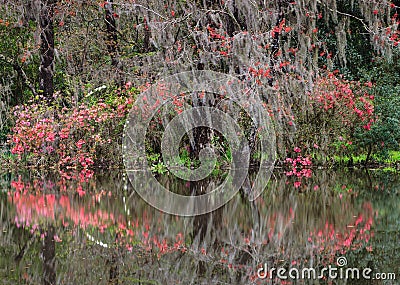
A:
[(57, 230)]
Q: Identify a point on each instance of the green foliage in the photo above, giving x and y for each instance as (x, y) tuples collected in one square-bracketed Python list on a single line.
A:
[(159, 168), (17, 65), (358, 52), (17, 57), (385, 132), (185, 157)]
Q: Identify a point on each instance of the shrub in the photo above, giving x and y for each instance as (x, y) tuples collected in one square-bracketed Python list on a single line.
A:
[(80, 137), (385, 133), (337, 107)]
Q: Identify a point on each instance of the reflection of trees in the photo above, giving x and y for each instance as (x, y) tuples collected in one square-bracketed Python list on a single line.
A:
[(132, 242), (205, 226), (49, 257), (114, 266), (382, 252)]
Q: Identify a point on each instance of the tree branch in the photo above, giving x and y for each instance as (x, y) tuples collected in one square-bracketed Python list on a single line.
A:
[(20, 73)]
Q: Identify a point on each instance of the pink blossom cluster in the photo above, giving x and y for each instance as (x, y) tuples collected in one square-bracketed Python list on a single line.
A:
[(67, 138), (345, 100), (298, 167)]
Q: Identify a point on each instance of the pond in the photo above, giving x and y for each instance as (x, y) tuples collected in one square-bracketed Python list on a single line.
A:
[(58, 230)]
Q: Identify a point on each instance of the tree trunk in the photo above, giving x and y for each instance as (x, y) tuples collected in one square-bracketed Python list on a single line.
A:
[(112, 38), (49, 257), (146, 39), (368, 154), (234, 21), (46, 70), (114, 269)]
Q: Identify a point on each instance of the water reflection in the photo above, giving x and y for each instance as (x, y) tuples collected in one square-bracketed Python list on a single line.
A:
[(58, 231)]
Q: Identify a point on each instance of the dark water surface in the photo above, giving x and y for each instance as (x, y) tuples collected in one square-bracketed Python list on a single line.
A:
[(62, 231)]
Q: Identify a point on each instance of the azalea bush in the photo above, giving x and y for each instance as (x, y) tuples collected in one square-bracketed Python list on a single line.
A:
[(337, 107), (80, 137)]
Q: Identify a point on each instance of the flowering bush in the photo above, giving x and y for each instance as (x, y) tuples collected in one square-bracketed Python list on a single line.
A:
[(344, 101), (337, 107), (298, 167), (70, 138)]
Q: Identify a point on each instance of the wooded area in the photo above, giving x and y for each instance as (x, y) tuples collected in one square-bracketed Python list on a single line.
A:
[(329, 71)]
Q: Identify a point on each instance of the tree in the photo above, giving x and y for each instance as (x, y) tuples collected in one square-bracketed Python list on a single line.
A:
[(46, 69), (278, 47)]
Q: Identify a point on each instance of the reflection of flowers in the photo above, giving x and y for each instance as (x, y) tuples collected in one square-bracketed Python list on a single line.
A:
[(36, 209), (354, 236), (298, 167)]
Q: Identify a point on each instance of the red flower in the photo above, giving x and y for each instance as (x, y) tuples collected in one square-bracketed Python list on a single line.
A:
[(80, 143)]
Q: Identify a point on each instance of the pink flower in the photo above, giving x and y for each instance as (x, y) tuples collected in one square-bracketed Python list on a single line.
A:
[(50, 137), (80, 191), (297, 184), (306, 161), (297, 149), (307, 173), (64, 133), (128, 85), (57, 239), (80, 143), (367, 127), (18, 149)]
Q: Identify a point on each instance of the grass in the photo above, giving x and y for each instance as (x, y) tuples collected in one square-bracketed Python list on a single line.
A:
[(393, 157)]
